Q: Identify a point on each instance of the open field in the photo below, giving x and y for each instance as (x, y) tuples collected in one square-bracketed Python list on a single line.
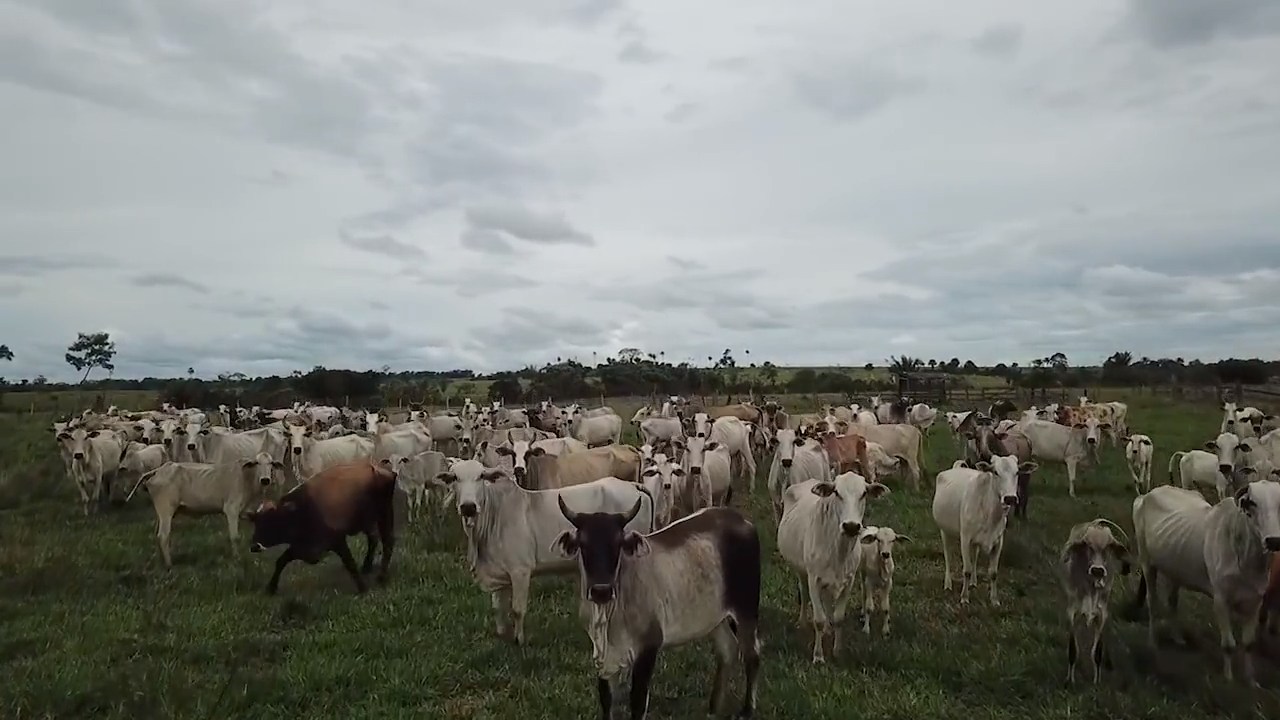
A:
[(91, 625)]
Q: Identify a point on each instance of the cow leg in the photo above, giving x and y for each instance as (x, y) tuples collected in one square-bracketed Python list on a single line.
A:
[(993, 569), (882, 604), (801, 589), (1071, 477), (842, 595), (1147, 588), (344, 553), (1097, 653), (946, 562), (641, 676), (749, 465), (726, 647), (386, 529), (519, 603), (1222, 613), (501, 601), (1249, 640), (164, 527), (868, 607), (233, 528), (820, 621), (371, 545), (968, 569), (285, 558), (604, 693), (1071, 653)]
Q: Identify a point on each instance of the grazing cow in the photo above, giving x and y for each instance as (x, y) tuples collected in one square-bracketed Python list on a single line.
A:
[(139, 459), (597, 430), (95, 457), (317, 517), (708, 471), (660, 478), (1221, 551), (415, 478), (818, 537), (655, 429), (1137, 454), (205, 489), (509, 530), (698, 576), (1089, 560), (548, 472), (876, 571), (795, 460), (1059, 443), (897, 439), (309, 456), (972, 506)]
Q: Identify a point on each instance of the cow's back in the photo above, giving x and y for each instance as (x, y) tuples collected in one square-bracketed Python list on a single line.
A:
[(345, 496), (1171, 525)]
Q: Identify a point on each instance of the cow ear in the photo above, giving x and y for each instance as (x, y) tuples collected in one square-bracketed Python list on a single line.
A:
[(277, 464), (1146, 441), (634, 544), (983, 466), (1028, 467), (247, 464), (444, 478), (537, 451), (1211, 446), (492, 475), (823, 489), (876, 490), (678, 472), (902, 538), (94, 434), (1079, 426), (565, 544), (711, 446), (867, 538)]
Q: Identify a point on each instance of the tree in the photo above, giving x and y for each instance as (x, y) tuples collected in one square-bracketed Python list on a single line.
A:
[(970, 366), (869, 367), (629, 355), (91, 350), (6, 353)]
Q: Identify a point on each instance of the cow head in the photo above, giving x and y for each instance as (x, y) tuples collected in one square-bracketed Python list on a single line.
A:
[(599, 540), (882, 539), (848, 495), (785, 442), (701, 425), (299, 437), (275, 524), (1136, 447), (1260, 501), (1230, 452), (695, 454), (1092, 552), (470, 481), (262, 468), (1003, 471), (77, 443), (519, 452), (640, 415), (1090, 429), (661, 477)]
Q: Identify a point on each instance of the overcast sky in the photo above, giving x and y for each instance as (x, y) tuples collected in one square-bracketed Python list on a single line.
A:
[(240, 185)]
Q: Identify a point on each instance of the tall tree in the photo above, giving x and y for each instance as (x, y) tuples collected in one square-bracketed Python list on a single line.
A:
[(5, 353), (91, 350)]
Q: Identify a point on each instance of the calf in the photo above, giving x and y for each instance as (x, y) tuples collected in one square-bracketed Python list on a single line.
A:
[(1221, 551), (205, 489), (847, 453), (1138, 450), (818, 537), (1089, 559), (414, 477), (698, 576), (509, 529), (316, 518), (973, 506), (876, 571)]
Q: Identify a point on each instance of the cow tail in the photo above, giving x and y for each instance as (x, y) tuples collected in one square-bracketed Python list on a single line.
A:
[(142, 479), (1173, 459)]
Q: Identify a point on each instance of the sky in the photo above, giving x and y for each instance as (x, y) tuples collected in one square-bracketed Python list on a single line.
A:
[(234, 185)]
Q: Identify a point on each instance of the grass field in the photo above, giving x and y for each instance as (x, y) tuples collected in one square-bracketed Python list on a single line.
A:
[(91, 625)]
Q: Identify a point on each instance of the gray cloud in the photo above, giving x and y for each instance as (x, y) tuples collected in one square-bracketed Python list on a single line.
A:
[(998, 41), (527, 224), (486, 241), (18, 265), (169, 280), (1170, 23), (853, 90), (681, 112), (384, 245), (636, 51)]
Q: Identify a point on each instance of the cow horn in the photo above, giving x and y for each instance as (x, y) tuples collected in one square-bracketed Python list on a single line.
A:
[(635, 510), (569, 515)]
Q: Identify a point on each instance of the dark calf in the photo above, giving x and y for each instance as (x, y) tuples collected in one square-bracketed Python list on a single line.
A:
[(317, 517)]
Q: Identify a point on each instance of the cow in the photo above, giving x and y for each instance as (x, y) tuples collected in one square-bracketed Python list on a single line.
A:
[(696, 577), (661, 477), (548, 472), (1089, 560), (597, 430), (1138, 450), (655, 429), (875, 570), (897, 439), (518, 452), (1198, 470), (972, 506), (414, 477), (205, 489), (986, 442), (1101, 416), (1231, 452), (847, 453), (818, 537), (317, 517), (95, 457), (1221, 551), (890, 413), (732, 433), (139, 459), (1059, 443), (1271, 598), (795, 459), (922, 416), (509, 530), (708, 468), (309, 456), (406, 442), (219, 445)]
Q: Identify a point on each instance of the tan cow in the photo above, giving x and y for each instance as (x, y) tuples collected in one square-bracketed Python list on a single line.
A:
[(548, 472)]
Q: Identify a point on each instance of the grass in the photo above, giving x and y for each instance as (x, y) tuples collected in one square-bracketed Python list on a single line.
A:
[(91, 625)]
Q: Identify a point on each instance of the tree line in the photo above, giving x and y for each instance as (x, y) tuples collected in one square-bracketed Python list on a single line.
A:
[(631, 372)]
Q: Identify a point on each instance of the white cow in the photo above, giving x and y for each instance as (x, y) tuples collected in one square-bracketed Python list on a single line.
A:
[(221, 445), (510, 530), (515, 455), (308, 456), (922, 416), (876, 572), (1058, 443), (655, 429), (406, 443), (1138, 450), (1222, 551), (795, 460), (597, 430), (415, 477), (139, 459), (661, 477), (204, 489), (708, 468), (897, 439), (95, 457), (1198, 469), (818, 537), (732, 433), (972, 506)]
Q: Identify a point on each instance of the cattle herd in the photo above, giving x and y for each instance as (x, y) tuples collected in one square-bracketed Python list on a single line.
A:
[(663, 557)]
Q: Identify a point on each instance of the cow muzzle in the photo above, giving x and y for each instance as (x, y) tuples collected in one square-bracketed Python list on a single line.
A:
[(191, 446), (468, 510), (1225, 469), (1009, 500), (297, 451), (520, 473), (886, 555), (257, 547), (600, 593), (1272, 543), (695, 471), (1092, 441), (851, 529), (786, 462), (1097, 571), (264, 481), (77, 456)]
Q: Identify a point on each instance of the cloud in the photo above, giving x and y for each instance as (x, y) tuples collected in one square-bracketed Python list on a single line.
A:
[(527, 224), (998, 41), (568, 177), (168, 280)]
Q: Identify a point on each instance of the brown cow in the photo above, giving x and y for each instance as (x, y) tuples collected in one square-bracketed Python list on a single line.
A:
[(745, 412), (848, 453), (316, 518)]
